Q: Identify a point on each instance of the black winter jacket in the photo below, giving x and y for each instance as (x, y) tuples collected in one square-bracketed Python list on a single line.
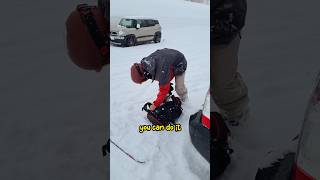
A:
[(158, 64), (227, 20)]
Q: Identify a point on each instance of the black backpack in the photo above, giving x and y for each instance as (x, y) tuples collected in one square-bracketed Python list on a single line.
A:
[(166, 113)]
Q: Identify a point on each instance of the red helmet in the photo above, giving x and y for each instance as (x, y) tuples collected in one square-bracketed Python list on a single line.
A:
[(87, 41), (137, 73)]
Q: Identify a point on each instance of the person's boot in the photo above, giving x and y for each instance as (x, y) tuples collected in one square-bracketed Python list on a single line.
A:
[(236, 119)]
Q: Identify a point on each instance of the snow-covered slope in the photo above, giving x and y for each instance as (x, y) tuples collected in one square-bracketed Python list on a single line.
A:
[(278, 60), (169, 155)]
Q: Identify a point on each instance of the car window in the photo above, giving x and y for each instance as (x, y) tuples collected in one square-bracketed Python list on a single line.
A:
[(150, 22), (128, 23), (144, 23), (139, 21)]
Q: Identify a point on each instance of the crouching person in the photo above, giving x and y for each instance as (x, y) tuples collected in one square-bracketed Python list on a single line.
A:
[(162, 65)]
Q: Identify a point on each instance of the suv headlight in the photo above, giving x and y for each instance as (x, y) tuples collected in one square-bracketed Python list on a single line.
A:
[(121, 33)]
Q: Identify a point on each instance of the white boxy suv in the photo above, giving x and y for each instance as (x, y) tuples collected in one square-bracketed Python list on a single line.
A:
[(133, 30)]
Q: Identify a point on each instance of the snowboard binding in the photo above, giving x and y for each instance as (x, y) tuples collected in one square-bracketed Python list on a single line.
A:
[(166, 113)]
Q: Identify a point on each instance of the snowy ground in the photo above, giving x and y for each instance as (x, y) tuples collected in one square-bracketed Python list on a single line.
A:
[(42, 139), (169, 155), (278, 60)]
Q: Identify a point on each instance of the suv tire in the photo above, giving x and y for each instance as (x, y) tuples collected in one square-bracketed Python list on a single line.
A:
[(130, 41), (157, 37)]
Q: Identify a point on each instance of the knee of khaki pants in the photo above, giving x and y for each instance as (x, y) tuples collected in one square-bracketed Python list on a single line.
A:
[(228, 89), (180, 86), (181, 91)]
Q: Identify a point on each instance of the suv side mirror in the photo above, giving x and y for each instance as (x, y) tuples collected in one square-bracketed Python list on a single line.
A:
[(138, 26)]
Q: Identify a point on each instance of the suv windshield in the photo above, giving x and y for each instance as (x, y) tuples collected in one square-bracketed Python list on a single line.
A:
[(128, 23)]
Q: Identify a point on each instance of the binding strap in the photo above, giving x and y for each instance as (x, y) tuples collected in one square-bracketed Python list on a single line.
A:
[(98, 37)]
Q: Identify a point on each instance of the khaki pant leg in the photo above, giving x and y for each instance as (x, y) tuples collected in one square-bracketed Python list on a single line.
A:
[(228, 89), (180, 87)]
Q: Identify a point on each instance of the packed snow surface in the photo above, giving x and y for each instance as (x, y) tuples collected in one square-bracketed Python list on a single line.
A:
[(168, 155), (278, 60)]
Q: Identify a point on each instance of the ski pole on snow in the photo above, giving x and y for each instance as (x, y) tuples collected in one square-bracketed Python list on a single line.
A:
[(106, 148), (129, 155)]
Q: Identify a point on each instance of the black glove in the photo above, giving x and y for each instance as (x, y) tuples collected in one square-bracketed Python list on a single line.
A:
[(146, 107)]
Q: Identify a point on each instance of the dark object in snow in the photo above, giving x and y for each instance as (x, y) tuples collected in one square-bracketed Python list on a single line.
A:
[(87, 40), (200, 135), (106, 148), (220, 151), (211, 143), (279, 170), (166, 113)]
